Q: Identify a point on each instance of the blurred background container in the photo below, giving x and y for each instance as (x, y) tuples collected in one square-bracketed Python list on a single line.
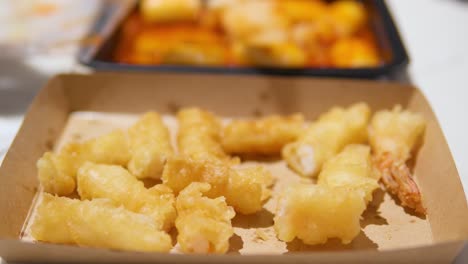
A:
[(342, 38)]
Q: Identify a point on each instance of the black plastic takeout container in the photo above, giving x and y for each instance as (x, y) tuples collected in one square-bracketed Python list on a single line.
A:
[(107, 26)]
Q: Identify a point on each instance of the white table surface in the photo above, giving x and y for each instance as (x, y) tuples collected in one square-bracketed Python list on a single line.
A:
[(436, 36)]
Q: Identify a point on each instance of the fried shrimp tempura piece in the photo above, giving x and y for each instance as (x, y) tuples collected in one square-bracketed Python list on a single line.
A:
[(144, 150), (180, 171), (266, 136), (315, 213), (57, 171), (245, 189), (150, 146), (333, 207), (200, 135), (394, 135), (117, 184), (111, 148), (326, 137), (352, 168), (204, 224), (96, 223), (50, 223)]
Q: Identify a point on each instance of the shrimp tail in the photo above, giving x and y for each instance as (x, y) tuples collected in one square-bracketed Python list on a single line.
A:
[(398, 180)]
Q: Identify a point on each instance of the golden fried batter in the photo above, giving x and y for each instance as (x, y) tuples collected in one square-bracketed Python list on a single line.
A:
[(200, 135), (244, 189), (333, 207), (204, 224), (57, 172), (118, 185), (247, 189), (396, 132), (96, 223), (150, 146), (144, 150), (50, 223), (352, 168), (265, 136), (394, 135), (111, 148), (180, 171), (326, 137), (315, 213)]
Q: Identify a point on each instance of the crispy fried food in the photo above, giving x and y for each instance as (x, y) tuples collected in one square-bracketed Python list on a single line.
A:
[(244, 189), (111, 148), (117, 184), (266, 136), (170, 11), (326, 137), (396, 132), (57, 171), (50, 223), (150, 146), (352, 168), (332, 208), (180, 171), (199, 135), (144, 150), (204, 224), (96, 223), (394, 135), (247, 189), (315, 213)]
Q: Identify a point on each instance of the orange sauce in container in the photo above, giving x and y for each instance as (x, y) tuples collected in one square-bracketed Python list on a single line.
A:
[(276, 33)]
